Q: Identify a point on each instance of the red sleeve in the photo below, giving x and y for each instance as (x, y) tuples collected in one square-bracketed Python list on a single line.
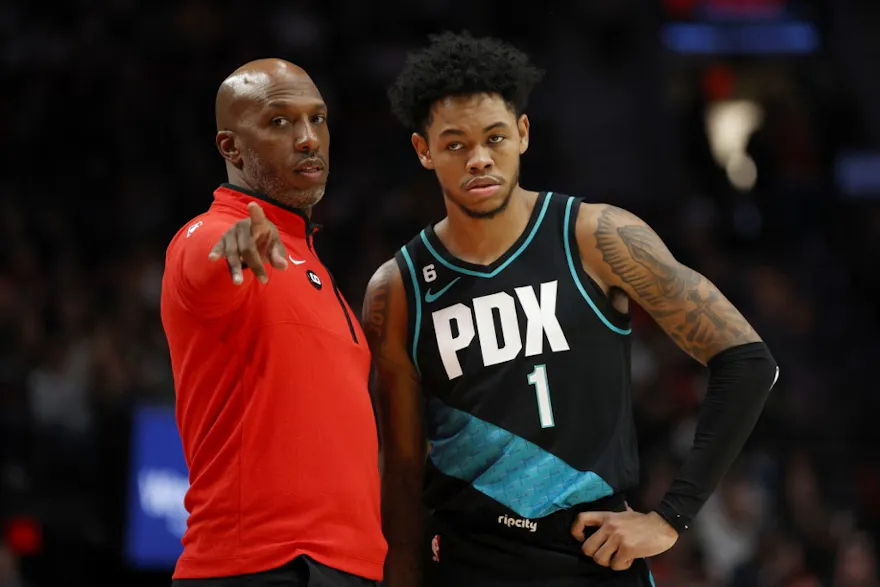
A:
[(205, 287)]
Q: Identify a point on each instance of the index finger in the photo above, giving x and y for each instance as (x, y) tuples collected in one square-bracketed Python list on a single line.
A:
[(585, 519), (258, 216)]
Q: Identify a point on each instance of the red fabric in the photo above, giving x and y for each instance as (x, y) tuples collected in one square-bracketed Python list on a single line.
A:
[(272, 406)]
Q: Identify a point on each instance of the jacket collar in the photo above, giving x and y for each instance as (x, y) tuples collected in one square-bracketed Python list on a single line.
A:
[(289, 220)]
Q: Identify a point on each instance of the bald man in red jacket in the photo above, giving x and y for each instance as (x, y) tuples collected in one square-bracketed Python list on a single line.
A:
[(270, 365)]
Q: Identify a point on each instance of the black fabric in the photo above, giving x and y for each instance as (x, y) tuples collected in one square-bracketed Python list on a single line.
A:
[(740, 381), (300, 572), (571, 363), (456, 556)]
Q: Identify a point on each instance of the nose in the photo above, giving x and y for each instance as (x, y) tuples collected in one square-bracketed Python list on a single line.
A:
[(307, 140), (480, 160)]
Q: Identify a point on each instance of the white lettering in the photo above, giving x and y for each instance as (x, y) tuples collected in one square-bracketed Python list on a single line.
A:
[(449, 345), (484, 307), (541, 318), (499, 345), (530, 525)]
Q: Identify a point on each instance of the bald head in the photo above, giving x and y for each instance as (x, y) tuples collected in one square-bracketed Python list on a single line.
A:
[(272, 131), (254, 83)]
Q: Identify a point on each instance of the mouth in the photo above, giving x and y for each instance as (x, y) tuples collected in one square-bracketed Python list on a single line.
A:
[(310, 168), (481, 182), (483, 186)]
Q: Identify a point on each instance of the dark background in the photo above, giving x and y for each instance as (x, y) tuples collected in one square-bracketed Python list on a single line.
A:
[(106, 116)]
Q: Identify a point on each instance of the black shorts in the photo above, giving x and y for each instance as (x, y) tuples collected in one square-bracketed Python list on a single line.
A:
[(458, 553), (457, 575), (300, 572), (460, 576)]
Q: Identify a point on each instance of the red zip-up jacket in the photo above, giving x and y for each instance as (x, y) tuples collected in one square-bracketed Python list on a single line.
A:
[(272, 405)]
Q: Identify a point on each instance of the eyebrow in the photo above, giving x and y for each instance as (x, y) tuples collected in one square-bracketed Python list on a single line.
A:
[(282, 104), (458, 132)]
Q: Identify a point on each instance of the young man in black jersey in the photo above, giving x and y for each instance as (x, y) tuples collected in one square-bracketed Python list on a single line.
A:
[(501, 335)]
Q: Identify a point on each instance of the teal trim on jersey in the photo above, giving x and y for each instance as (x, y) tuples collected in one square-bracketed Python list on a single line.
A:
[(418, 296), (431, 297), (576, 277), (507, 468), (651, 577), (501, 267)]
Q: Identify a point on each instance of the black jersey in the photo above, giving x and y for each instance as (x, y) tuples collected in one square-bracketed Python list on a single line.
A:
[(525, 367)]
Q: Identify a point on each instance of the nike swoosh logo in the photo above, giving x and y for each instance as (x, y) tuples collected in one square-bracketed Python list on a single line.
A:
[(294, 261), (432, 297)]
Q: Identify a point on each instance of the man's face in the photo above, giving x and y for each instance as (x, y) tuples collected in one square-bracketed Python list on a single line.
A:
[(282, 135), (473, 143)]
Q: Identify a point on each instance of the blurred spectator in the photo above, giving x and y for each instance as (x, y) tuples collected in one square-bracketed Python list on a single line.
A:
[(730, 524), (856, 562), (9, 571)]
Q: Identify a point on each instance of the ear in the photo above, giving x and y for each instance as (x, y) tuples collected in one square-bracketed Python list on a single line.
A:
[(523, 126), (228, 147), (420, 144)]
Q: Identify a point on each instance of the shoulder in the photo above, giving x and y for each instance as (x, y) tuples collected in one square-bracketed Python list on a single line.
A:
[(614, 242), (186, 257), (589, 215), (387, 276), (595, 217), (384, 311), (610, 231), (208, 226)]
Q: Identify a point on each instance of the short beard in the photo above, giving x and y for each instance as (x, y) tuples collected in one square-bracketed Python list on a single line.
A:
[(274, 187), (489, 214)]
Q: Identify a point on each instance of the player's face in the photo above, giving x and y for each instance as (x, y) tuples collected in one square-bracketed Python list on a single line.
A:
[(473, 143), (285, 141)]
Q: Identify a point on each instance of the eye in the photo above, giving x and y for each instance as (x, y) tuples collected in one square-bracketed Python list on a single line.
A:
[(319, 118), (454, 146), (280, 121), (495, 139)]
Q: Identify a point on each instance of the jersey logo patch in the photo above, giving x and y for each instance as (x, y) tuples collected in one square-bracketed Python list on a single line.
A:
[(431, 297), (314, 279), (193, 228)]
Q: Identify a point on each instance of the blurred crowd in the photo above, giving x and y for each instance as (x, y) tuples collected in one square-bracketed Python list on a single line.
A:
[(107, 116)]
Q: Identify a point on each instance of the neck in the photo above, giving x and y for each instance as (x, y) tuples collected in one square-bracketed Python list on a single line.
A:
[(483, 240), (292, 205), (238, 179)]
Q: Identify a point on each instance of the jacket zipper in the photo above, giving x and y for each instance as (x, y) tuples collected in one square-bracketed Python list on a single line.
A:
[(354, 337), (344, 309)]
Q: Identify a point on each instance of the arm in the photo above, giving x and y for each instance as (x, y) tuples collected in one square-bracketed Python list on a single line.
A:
[(212, 287), (399, 407), (205, 284), (627, 256)]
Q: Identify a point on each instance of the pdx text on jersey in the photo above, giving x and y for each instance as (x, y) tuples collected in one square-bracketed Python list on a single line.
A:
[(499, 347)]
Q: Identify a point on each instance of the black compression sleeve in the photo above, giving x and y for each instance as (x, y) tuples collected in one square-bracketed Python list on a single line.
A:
[(740, 380)]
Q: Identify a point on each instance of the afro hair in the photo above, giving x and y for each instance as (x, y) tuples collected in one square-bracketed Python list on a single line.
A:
[(460, 65)]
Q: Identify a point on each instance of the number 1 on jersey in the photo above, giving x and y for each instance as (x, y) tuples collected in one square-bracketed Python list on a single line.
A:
[(538, 378)]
